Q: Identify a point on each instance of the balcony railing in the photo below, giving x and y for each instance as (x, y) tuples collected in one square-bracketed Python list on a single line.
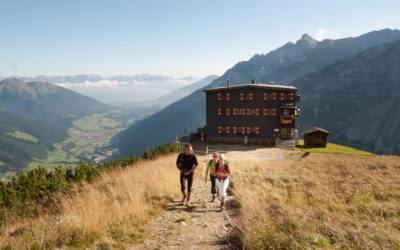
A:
[(287, 119)]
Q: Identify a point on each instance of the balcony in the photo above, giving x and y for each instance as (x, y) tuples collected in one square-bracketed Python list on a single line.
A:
[(287, 119)]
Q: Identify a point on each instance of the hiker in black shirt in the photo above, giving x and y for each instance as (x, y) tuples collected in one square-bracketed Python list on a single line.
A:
[(186, 163)]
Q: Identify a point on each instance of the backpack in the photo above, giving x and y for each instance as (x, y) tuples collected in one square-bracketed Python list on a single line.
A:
[(181, 156)]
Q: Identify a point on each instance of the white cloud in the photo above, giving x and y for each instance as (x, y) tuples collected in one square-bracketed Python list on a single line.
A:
[(101, 83), (325, 33)]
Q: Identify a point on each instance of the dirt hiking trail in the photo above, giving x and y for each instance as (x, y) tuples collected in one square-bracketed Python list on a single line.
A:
[(203, 225)]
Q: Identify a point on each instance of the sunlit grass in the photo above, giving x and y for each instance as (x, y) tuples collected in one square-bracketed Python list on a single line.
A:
[(323, 201), (109, 212), (332, 148), (21, 135)]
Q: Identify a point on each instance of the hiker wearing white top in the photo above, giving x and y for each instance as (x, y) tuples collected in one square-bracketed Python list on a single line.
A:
[(222, 171), (210, 168)]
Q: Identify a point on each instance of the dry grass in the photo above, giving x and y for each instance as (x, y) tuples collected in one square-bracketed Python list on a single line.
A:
[(105, 214), (324, 201)]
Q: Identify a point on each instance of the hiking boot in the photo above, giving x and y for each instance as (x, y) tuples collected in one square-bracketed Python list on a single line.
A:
[(188, 203), (222, 206), (212, 199), (183, 201)]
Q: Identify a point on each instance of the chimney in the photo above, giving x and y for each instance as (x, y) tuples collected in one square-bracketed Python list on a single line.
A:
[(253, 81), (228, 83), (271, 83)]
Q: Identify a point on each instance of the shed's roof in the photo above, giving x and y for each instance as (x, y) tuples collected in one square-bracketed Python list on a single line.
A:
[(254, 85), (314, 129)]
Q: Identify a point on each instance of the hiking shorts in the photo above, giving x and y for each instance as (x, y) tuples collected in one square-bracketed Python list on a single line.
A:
[(189, 180)]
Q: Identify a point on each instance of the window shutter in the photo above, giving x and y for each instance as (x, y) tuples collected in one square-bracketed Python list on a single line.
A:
[(219, 97), (241, 96), (274, 96), (228, 96), (274, 112), (219, 111)]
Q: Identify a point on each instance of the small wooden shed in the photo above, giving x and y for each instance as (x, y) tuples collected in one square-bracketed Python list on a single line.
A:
[(315, 137)]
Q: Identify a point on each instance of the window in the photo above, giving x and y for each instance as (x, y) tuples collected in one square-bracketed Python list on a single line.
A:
[(265, 96), (267, 112), (240, 130), (243, 111), (219, 112), (234, 130), (250, 96), (248, 130), (257, 111), (286, 111), (228, 111), (224, 130), (234, 111), (291, 96), (282, 96), (228, 96), (273, 111), (274, 96), (248, 111), (219, 97), (241, 96)]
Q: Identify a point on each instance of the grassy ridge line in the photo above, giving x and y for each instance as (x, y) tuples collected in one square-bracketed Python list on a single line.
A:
[(332, 148), (324, 201), (107, 213)]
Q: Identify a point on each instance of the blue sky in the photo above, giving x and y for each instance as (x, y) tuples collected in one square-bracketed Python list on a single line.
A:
[(169, 37)]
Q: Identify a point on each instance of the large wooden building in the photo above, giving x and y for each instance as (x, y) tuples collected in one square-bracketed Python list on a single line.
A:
[(260, 113)]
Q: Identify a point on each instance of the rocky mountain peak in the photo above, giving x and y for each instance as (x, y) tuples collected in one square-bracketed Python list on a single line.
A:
[(308, 41)]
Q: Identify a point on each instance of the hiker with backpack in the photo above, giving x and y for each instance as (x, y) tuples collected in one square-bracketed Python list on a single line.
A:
[(186, 163), (210, 168), (222, 171)]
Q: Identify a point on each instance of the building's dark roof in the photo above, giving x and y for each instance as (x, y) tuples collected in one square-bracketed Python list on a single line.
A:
[(314, 129), (254, 85)]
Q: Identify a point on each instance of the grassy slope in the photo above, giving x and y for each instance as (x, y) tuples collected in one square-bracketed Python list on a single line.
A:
[(323, 201), (107, 214), (332, 149)]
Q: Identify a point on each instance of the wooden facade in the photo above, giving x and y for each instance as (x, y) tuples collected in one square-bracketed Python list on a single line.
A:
[(260, 112), (315, 137)]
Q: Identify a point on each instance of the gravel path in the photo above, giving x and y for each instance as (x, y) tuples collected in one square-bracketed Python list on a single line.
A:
[(201, 226)]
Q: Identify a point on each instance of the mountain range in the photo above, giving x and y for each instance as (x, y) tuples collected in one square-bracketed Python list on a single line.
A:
[(121, 88), (35, 115), (288, 64)]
